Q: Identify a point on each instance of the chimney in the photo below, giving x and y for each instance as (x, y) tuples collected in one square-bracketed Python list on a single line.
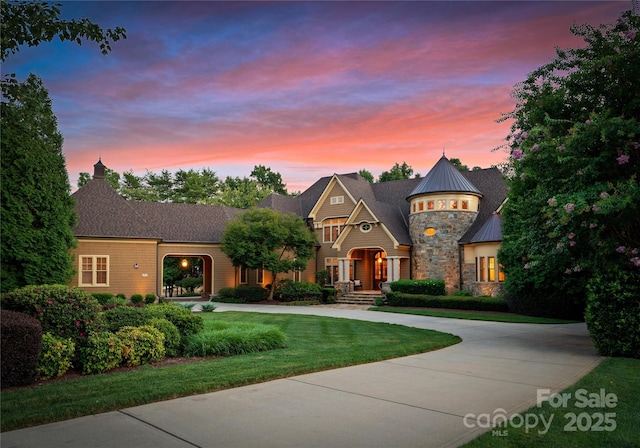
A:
[(99, 170)]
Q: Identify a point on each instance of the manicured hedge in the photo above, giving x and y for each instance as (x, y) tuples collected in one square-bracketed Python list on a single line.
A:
[(423, 287), (450, 302), (21, 337)]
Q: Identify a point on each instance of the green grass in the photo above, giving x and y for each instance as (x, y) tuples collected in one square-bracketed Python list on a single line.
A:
[(619, 376), (471, 315), (313, 344)]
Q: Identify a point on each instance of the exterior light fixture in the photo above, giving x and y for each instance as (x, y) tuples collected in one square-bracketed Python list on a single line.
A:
[(184, 263), (135, 266)]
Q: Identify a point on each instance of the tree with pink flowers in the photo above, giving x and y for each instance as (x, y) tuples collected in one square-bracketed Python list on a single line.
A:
[(572, 220)]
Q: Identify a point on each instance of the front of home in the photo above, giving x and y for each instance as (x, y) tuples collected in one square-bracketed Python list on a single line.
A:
[(443, 226)]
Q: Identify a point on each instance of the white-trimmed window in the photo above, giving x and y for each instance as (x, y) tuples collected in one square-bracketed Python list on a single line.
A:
[(260, 276), (335, 200), (244, 275), (331, 228), (94, 270), (296, 275)]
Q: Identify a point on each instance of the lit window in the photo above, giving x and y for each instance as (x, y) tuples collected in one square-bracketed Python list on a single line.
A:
[(94, 270), (481, 269), (332, 228), (492, 269), (430, 231), (464, 205), (453, 204), (421, 206), (414, 207), (442, 204), (429, 205)]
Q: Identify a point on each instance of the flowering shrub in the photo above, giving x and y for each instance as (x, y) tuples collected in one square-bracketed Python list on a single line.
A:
[(55, 356), (574, 197), (63, 311), (141, 345)]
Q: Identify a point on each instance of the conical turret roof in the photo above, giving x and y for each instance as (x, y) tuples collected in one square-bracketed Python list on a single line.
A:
[(444, 177)]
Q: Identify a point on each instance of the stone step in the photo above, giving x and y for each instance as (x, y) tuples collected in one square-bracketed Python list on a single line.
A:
[(359, 298)]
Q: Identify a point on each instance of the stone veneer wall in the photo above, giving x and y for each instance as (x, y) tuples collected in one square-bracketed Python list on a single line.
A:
[(436, 256), (493, 289)]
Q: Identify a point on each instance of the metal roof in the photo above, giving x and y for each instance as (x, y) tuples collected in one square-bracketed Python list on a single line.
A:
[(490, 232), (444, 177)]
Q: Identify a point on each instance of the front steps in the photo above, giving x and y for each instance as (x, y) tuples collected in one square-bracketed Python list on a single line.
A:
[(360, 298)]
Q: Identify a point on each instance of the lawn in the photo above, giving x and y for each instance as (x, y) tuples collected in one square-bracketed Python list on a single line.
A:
[(313, 344), (473, 315), (590, 419)]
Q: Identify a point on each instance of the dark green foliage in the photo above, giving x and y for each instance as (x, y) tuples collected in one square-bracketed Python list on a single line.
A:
[(149, 298), (56, 355), (463, 294), (290, 291), (185, 321), (123, 316), (449, 302), (103, 297), (189, 283), (20, 336), (574, 198), (37, 208), (328, 295), (141, 345), (101, 352), (235, 338), (63, 311), (137, 298), (424, 287), (250, 294), (172, 339), (613, 312)]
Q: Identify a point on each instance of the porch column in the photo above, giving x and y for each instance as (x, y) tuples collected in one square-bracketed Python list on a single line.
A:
[(343, 270), (393, 269)]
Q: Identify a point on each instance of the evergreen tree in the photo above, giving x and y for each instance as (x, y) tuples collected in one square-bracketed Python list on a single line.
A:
[(37, 209)]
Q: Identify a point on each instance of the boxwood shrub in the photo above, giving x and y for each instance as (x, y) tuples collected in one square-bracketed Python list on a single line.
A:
[(424, 287), (185, 321), (290, 291), (20, 340), (450, 302), (102, 352), (125, 316), (250, 294), (141, 345)]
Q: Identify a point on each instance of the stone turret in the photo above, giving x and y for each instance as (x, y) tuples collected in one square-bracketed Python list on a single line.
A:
[(442, 207)]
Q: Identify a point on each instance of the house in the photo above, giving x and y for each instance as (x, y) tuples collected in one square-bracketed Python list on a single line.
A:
[(443, 226)]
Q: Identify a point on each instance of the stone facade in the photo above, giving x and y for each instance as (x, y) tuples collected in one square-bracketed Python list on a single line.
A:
[(493, 289), (436, 256)]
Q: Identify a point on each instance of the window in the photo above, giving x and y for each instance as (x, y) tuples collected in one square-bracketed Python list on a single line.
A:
[(331, 265), (421, 206), (414, 207), (365, 227), (297, 275), (244, 275), (492, 269), (429, 205), (442, 204), (500, 272), (453, 204), (332, 228), (481, 269), (260, 276), (337, 200), (94, 270), (464, 205)]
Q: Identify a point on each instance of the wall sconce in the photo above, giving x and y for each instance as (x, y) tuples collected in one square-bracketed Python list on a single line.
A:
[(184, 263), (135, 266)]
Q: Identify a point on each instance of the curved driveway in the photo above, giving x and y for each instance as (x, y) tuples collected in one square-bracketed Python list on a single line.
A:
[(415, 401)]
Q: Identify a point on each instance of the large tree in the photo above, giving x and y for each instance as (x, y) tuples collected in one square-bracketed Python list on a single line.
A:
[(572, 221), (37, 209), (264, 238), (397, 172)]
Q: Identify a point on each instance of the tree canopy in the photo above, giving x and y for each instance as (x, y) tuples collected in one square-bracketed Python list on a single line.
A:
[(573, 210), (397, 172), (264, 238)]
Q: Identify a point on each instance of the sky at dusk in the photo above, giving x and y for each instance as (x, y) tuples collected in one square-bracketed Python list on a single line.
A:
[(306, 88)]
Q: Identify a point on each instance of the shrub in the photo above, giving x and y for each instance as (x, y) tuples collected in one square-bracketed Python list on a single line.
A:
[(251, 294), (137, 298), (125, 316), (190, 283), (55, 356), (141, 345), (463, 294), (149, 298), (227, 293), (290, 291), (208, 307), (102, 352), (424, 287), (20, 340), (613, 312), (102, 297), (62, 310), (172, 338), (450, 302), (234, 338), (185, 321), (328, 295)]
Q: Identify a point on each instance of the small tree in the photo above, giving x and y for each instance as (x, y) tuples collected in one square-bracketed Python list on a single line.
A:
[(264, 238)]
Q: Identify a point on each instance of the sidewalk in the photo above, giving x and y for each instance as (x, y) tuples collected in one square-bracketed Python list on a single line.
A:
[(415, 401)]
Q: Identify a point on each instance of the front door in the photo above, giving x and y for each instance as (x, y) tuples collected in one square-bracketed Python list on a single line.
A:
[(379, 269)]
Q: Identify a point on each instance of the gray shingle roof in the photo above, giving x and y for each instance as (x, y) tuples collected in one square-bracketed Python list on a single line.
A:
[(444, 177)]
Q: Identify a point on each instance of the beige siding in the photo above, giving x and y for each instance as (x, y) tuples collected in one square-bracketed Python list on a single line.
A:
[(123, 256), (337, 210)]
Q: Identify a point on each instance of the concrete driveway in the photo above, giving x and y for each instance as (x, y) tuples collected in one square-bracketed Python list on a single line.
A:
[(425, 400)]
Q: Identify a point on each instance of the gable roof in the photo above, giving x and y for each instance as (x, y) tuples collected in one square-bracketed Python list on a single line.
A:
[(490, 232), (444, 177)]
